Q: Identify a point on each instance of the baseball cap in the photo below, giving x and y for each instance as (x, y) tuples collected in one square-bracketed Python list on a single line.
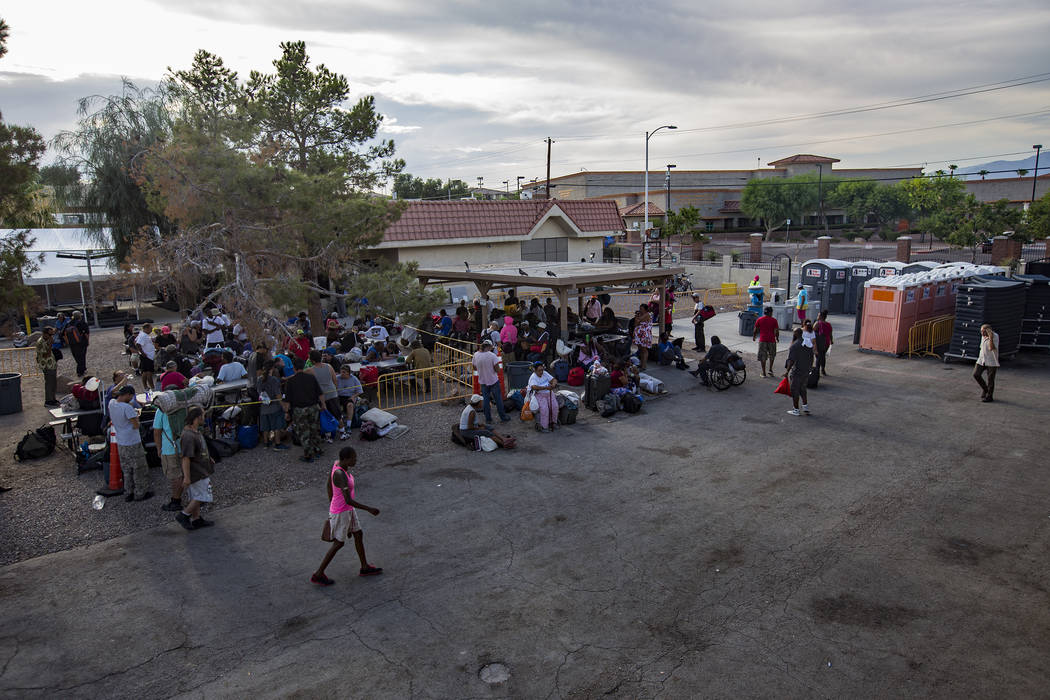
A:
[(475, 398)]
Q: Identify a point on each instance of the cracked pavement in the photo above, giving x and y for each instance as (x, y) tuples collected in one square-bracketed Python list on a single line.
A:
[(894, 543)]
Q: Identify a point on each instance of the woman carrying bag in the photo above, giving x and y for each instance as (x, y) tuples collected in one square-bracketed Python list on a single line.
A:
[(542, 386)]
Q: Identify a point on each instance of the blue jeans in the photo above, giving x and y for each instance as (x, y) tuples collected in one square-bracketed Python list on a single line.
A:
[(496, 394)]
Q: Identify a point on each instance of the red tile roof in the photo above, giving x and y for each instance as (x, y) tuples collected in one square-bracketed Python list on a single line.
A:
[(803, 159), (639, 210), (442, 220)]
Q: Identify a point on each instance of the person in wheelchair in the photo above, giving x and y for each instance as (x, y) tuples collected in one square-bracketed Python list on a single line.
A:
[(717, 356)]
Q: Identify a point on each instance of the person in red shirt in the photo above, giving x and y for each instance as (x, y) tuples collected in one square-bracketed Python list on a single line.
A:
[(300, 345), (767, 331), (824, 341)]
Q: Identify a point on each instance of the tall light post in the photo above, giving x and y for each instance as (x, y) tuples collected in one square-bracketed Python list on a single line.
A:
[(645, 204), (667, 184), (518, 185), (1035, 172)]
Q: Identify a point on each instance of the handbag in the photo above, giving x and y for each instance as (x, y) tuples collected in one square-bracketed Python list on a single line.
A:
[(326, 533), (784, 387)]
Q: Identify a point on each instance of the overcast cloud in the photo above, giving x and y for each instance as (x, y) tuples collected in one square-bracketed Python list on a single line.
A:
[(472, 88)]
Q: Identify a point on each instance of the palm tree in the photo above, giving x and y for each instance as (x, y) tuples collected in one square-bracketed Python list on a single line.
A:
[(952, 169), (1021, 172), (982, 173)]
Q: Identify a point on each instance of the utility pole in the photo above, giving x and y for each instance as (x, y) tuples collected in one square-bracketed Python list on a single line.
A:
[(549, 142), (1035, 172), (667, 184)]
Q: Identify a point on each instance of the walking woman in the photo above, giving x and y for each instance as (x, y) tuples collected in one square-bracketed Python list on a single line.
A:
[(987, 361)]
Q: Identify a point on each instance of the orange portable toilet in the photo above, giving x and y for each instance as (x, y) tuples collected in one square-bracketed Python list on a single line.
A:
[(890, 309)]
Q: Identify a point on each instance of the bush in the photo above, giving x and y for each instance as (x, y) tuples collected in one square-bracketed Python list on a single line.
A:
[(735, 255), (712, 256)]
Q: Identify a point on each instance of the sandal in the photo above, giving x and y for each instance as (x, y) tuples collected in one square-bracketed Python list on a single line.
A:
[(371, 570)]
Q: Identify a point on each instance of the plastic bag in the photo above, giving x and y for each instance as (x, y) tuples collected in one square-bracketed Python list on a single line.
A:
[(526, 413), (534, 403), (329, 423), (487, 443), (784, 387)]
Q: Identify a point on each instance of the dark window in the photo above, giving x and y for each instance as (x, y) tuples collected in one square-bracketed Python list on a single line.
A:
[(545, 250)]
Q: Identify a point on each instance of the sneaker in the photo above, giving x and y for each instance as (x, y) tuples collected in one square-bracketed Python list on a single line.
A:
[(172, 506), (52, 403), (794, 412), (328, 440), (371, 570), (505, 419), (805, 409), (322, 580), (282, 446), (201, 522), (145, 497), (184, 520)]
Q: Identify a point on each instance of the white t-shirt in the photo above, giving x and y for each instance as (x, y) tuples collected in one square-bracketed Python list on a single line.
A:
[(377, 333), (540, 382), (145, 341), (239, 333), (808, 338), (464, 417), (231, 371), (212, 326), (989, 357)]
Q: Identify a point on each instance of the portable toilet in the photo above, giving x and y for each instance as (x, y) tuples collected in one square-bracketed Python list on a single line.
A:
[(829, 278), (891, 268), (859, 273), (920, 266), (890, 310)]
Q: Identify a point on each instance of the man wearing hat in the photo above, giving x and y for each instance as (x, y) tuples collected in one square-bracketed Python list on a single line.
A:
[(45, 361), (540, 340), (486, 364), (214, 327), (86, 393), (802, 303), (125, 421), (172, 377), (77, 338)]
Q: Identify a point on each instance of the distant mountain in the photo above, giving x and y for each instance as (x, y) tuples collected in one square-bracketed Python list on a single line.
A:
[(1010, 166)]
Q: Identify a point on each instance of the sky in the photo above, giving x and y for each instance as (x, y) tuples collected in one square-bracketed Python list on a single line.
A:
[(472, 89)]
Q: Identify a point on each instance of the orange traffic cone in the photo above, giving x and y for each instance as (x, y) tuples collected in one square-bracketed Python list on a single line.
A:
[(116, 474)]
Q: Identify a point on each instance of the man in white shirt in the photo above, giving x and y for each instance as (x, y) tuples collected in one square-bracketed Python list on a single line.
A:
[(486, 363), (133, 463), (377, 332), (147, 353), (213, 327), (231, 370)]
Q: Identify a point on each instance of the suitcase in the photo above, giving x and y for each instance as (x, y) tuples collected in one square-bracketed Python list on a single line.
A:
[(560, 370), (567, 415), (596, 388), (814, 378)]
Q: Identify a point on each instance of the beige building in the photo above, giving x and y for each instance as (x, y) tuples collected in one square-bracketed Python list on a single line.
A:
[(447, 233), (716, 193)]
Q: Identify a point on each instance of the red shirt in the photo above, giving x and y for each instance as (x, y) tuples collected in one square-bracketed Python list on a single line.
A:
[(767, 327), (823, 328), (300, 347)]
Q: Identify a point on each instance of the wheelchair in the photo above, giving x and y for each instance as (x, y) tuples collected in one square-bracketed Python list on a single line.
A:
[(726, 374)]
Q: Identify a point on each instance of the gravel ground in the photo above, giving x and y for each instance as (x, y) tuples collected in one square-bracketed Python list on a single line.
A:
[(49, 508)]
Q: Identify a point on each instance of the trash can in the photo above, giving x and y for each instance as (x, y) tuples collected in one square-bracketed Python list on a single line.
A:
[(10, 393), (747, 322), (518, 374), (43, 322), (785, 315)]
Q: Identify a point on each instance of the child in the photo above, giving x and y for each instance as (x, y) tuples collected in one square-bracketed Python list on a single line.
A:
[(197, 468), (343, 518)]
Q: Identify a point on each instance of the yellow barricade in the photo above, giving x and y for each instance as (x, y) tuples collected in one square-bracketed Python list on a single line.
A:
[(931, 333), (21, 360), (416, 387)]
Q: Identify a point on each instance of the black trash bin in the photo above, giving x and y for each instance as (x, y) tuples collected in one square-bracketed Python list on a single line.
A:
[(10, 393), (747, 322)]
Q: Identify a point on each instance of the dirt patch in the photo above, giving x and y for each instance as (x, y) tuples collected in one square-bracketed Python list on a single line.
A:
[(846, 609), (679, 451), (454, 473), (956, 550)]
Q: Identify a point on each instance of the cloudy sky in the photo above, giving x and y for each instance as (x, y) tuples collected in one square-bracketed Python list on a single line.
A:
[(472, 88)]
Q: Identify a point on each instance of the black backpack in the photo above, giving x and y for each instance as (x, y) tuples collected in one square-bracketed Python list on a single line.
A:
[(630, 403), (36, 444), (813, 379)]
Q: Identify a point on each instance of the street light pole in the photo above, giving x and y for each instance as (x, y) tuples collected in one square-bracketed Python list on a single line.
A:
[(667, 184), (518, 185), (645, 203), (1035, 173)]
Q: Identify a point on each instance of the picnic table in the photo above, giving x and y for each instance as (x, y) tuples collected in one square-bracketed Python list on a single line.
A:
[(383, 365), (67, 416)]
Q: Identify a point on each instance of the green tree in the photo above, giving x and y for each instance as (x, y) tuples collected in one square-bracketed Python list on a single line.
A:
[(775, 200), (268, 182), (65, 183), (1021, 172), (982, 173), (408, 187), (972, 222), (1037, 221), (934, 198), (864, 199), (112, 135), (392, 291), (685, 221), (5, 31)]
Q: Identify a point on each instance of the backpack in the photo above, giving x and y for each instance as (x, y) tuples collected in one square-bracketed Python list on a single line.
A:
[(737, 362), (576, 376), (36, 444), (608, 405), (631, 403), (369, 376), (567, 414), (813, 379), (561, 370), (369, 431)]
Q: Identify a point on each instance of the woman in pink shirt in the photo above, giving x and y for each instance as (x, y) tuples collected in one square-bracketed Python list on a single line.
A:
[(508, 335), (342, 518)]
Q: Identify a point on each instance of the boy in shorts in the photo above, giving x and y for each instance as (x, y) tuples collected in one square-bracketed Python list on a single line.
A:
[(197, 469), (342, 517)]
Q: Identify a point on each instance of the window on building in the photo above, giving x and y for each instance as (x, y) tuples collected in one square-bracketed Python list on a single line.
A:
[(545, 250), (709, 225)]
